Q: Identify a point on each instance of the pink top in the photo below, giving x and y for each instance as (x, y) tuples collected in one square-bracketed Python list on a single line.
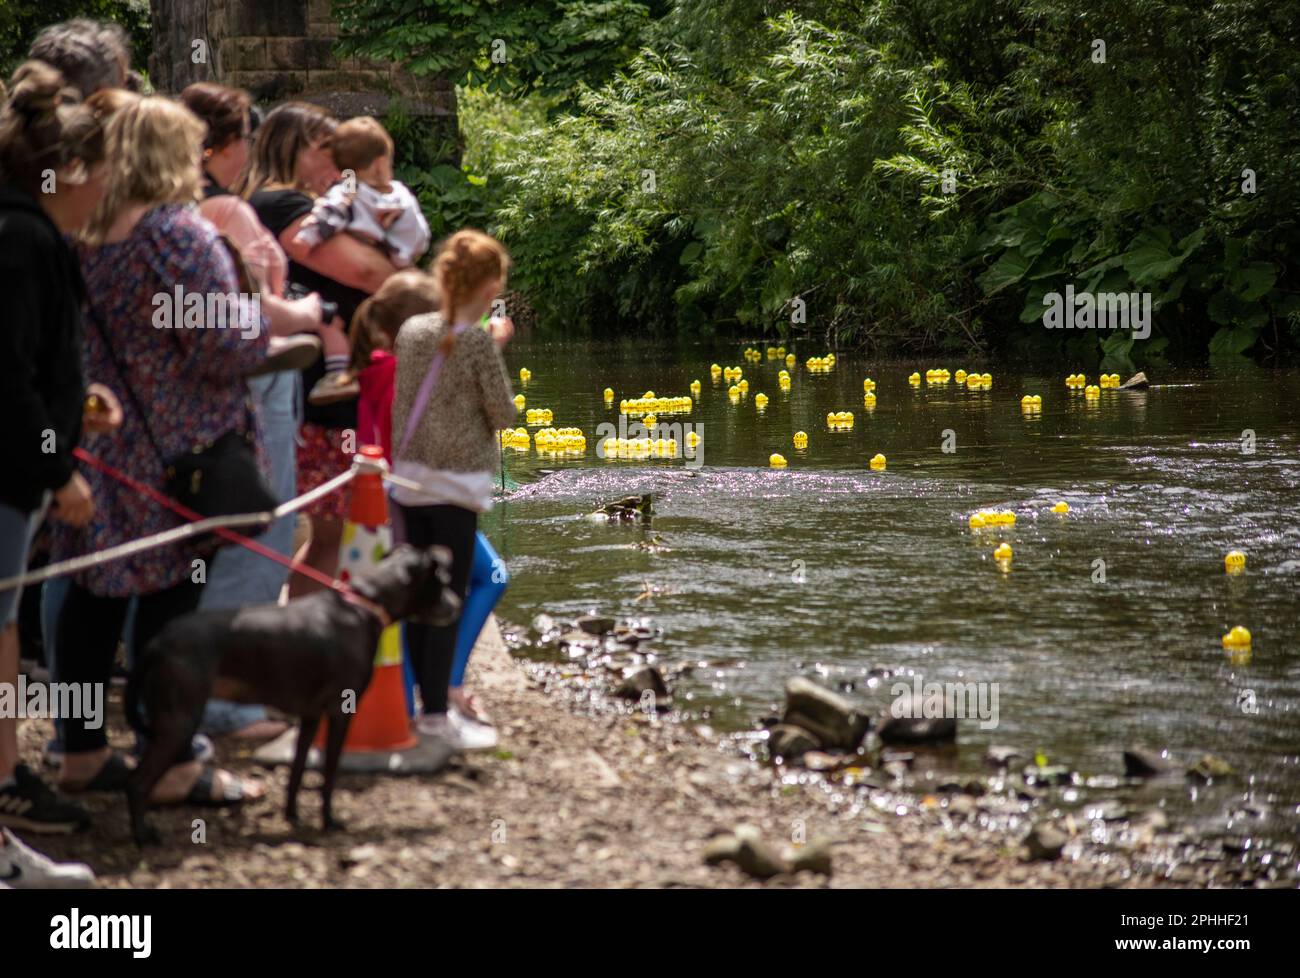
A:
[(375, 406), (257, 246)]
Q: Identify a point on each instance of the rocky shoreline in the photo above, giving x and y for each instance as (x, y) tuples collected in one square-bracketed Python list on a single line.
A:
[(599, 783)]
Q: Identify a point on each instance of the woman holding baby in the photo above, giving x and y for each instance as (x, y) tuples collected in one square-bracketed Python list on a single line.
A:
[(292, 164)]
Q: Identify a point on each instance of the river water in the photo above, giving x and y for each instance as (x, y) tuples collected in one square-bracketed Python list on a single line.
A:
[(1103, 632)]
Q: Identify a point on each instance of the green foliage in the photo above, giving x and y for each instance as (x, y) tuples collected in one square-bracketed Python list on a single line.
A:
[(22, 20), (516, 46), (760, 152), (451, 196)]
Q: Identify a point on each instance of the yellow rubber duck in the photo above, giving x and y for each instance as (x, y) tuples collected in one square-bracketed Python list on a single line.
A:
[(914, 379), (1092, 392), (976, 521), (868, 400), (744, 386), (696, 386), (715, 370), (877, 462), (776, 461), (986, 379), (868, 385), (1061, 507), (960, 376), (790, 360), (1234, 562), (525, 374), (733, 392), (519, 402), (1238, 637), (1003, 552), (801, 439), (760, 401), (692, 438)]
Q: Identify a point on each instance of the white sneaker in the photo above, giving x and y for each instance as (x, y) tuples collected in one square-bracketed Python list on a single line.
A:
[(459, 730), (473, 734), (23, 868)]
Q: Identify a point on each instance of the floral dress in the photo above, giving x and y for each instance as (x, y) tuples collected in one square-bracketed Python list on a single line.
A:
[(190, 382)]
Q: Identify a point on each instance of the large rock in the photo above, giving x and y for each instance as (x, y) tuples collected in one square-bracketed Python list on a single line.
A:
[(815, 857), (1142, 762), (1045, 841), (790, 742), (722, 849), (829, 717), (756, 857), (1208, 768), (913, 727), (1001, 756), (641, 679), (745, 847), (594, 624)]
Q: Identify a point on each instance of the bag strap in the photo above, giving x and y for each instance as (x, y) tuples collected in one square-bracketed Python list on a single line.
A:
[(98, 322), (422, 396)]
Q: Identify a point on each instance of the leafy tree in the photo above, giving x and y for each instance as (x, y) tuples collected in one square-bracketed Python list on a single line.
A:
[(921, 173), (519, 46), (22, 20)]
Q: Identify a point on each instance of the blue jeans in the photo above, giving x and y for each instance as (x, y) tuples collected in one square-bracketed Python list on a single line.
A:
[(237, 576)]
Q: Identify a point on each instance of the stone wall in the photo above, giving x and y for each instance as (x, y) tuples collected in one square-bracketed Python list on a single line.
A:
[(282, 49)]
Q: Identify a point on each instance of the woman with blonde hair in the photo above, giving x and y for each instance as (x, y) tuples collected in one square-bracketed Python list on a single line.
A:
[(145, 250), (452, 397)]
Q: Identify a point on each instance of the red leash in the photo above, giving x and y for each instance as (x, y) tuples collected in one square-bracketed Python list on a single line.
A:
[(187, 514)]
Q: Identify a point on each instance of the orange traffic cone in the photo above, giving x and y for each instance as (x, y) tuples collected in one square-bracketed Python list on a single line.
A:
[(381, 722)]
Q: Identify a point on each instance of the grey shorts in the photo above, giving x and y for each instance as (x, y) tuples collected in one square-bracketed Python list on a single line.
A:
[(17, 529)]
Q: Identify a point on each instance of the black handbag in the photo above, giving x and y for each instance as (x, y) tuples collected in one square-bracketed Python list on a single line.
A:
[(217, 478)]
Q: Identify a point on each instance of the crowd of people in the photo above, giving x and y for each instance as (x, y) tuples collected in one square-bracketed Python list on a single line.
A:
[(110, 198)]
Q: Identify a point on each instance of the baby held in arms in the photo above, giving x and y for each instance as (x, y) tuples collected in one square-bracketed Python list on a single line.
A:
[(368, 203)]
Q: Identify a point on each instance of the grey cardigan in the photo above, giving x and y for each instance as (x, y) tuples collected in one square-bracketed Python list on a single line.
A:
[(471, 401)]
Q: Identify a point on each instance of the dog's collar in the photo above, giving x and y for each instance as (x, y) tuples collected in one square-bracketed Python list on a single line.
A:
[(365, 604)]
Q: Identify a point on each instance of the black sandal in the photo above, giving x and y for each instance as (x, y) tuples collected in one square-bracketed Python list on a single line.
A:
[(112, 776), (201, 791)]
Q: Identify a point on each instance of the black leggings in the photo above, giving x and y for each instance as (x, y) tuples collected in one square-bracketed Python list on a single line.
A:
[(433, 648), (89, 629)]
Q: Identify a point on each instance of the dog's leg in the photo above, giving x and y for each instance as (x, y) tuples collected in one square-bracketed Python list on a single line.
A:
[(338, 731), (306, 734), (174, 699), (165, 747)]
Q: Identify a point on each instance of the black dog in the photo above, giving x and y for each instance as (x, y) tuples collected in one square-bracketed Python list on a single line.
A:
[(302, 658)]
